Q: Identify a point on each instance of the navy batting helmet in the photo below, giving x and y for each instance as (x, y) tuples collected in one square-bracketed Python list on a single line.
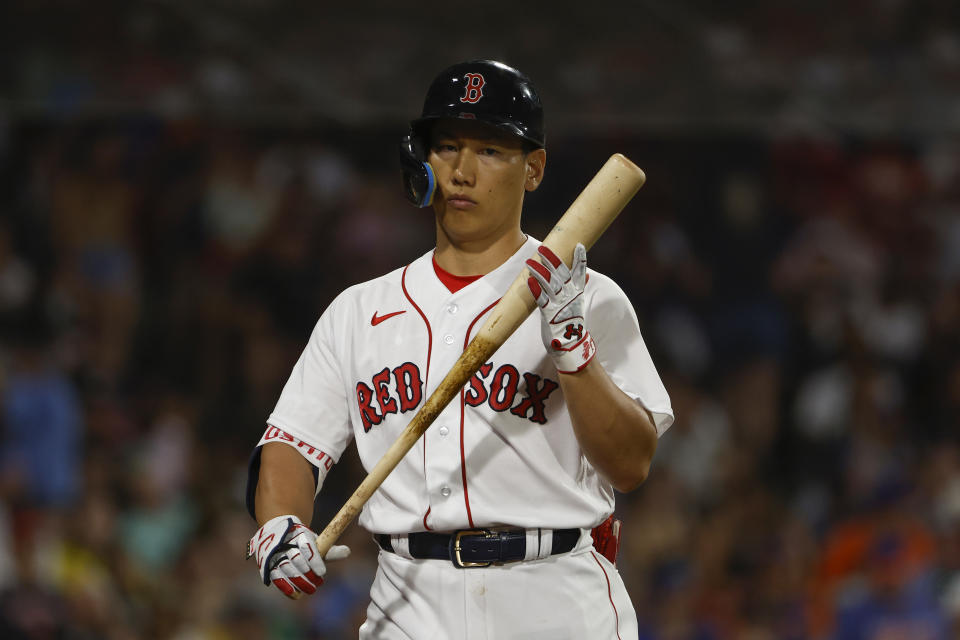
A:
[(483, 90)]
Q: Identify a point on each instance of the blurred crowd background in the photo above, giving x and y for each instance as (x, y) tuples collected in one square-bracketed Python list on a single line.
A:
[(185, 186)]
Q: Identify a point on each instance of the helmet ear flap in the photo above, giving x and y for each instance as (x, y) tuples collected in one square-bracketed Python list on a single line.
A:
[(419, 182)]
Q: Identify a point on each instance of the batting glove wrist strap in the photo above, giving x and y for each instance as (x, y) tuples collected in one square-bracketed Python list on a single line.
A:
[(558, 291), (577, 356)]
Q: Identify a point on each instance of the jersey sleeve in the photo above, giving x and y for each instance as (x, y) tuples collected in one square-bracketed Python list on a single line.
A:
[(311, 414), (622, 351), (313, 404)]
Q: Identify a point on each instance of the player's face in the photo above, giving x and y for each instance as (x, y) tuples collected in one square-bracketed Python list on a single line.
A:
[(482, 174)]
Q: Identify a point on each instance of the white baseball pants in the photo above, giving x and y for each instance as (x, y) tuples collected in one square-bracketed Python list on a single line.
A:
[(577, 596)]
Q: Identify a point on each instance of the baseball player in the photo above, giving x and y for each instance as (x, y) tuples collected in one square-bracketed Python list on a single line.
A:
[(484, 527)]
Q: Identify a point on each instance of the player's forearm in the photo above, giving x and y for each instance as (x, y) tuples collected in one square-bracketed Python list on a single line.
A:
[(617, 435), (286, 484)]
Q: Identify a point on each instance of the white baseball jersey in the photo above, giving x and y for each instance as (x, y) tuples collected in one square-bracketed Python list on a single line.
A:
[(503, 452)]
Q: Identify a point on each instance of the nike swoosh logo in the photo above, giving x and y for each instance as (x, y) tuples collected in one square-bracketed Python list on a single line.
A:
[(374, 321)]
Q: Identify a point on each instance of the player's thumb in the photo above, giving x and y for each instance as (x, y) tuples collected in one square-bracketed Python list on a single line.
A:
[(337, 552), (578, 272)]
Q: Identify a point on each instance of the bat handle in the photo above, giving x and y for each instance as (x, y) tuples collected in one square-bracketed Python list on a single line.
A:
[(335, 528)]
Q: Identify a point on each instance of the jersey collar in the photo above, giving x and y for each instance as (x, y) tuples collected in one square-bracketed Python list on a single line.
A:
[(423, 285)]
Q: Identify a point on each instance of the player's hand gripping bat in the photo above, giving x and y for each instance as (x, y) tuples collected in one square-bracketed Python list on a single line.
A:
[(585, 221)]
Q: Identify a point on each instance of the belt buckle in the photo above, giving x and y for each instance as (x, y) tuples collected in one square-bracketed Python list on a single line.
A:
[(457, 562)]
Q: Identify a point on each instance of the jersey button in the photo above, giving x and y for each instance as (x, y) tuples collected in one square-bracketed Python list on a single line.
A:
[(448, 339), (445, 492), (452, 309), (444, 431)]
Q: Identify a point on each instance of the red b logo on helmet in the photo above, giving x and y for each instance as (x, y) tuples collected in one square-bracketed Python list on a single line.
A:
[(474, 86)]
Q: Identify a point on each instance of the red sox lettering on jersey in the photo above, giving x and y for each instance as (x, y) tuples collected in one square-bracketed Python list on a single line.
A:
[(504, 449), (499, 390)]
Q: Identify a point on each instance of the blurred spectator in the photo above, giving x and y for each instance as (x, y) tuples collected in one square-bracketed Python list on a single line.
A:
[(895, 603), (42, 447), (17, 281)]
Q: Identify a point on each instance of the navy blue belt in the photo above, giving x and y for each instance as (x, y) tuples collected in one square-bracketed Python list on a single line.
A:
[(477, 547)]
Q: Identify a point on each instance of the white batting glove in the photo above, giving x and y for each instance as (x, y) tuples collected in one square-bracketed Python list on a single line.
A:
[(559, 294), (287, 555)]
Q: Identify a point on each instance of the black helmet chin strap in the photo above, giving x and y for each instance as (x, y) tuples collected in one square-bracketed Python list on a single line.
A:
[(419, 182)]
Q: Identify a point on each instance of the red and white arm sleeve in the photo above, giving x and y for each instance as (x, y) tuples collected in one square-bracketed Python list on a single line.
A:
[(320, 459)]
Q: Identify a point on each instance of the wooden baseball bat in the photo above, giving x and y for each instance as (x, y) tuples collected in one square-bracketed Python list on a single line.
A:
[(588, 217)]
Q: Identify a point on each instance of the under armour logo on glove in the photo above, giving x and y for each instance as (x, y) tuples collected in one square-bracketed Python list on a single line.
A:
[(559, 294), (573, 331)]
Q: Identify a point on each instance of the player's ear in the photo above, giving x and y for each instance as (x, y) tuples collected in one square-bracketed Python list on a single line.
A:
[(536, 161)]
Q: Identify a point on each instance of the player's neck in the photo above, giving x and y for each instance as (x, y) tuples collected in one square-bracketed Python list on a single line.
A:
[(478, 257)]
